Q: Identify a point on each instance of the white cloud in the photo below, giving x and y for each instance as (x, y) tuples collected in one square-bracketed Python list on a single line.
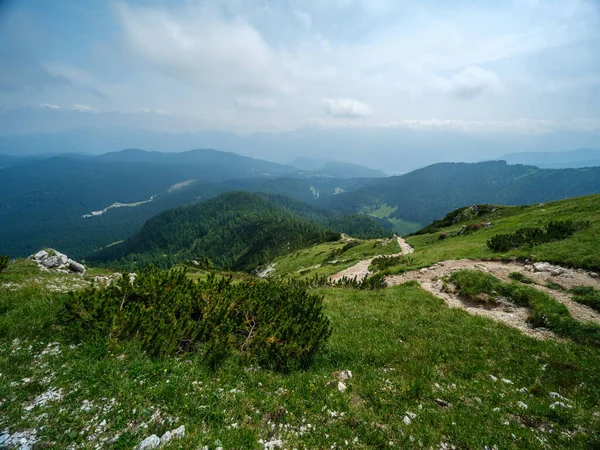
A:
[(346, 107), (473, 82), (48, 106), (255, 103), (197, 45), (84, 108)]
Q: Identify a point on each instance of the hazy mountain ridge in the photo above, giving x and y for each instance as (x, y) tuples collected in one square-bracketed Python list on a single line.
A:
[(582, 157), (426, 194)]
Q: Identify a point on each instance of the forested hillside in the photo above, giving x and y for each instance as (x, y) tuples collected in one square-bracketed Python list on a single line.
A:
[(426, 194), (43, 200), (235, 230)]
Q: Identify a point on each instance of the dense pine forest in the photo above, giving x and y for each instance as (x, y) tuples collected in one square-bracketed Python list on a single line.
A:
[(236, 230)]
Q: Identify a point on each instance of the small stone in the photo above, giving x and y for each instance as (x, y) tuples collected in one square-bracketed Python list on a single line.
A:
[(341, 386), (442, 403), (406, 420), (593, 274), (150, 443), (178, 433), (42, 254), (542, 266), (493, 378)]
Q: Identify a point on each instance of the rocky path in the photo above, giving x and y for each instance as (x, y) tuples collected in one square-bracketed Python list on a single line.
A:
[(361, 269), (430, 279)]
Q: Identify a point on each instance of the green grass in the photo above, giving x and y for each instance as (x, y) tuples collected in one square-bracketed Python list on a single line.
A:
[(405, 348), (546, 311), (586, 295), (399, 226), (384, 210), (325, 259), (580, 250)]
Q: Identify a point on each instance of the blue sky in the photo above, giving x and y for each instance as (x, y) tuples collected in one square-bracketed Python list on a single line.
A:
[(511, 67)]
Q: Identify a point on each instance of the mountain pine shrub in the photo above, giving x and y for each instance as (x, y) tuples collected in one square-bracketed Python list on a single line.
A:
[(4, 262), (556, 230), (277, 325)]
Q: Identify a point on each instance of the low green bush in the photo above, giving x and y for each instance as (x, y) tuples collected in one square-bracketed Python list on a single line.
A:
[(372, 282), (279, 325), (383, 262), (4, 262), (556, 230)]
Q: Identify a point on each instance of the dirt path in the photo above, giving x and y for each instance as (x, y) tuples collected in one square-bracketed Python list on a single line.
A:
[(515, 316), (361, 269)]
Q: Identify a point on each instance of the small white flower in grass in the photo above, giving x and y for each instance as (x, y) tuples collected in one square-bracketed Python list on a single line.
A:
[(561, 404), (557, 395), (411, 415)]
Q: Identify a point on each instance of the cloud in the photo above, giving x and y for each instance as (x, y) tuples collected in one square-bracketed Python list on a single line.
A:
[(255, 104), (198, 45), (473, 82), (346, 107), (48, 106), (84, 108)]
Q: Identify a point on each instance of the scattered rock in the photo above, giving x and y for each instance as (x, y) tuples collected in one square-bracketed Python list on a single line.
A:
[(74, 266), (593, 274), (23, 440), (406, 420), (442, 403), (341, 387), (150, 443), (52, 259), (542, 266), (343, 375)]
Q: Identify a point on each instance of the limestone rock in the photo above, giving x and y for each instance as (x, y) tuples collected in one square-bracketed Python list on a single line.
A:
[(74, 266), (150, 443), (542, 266)]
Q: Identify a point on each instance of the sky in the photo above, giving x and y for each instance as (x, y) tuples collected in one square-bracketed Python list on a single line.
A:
[(503, 69)]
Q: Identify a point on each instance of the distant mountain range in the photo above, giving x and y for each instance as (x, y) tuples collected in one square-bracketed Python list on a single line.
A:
[(82, 202), (426, 194), (581, 157)]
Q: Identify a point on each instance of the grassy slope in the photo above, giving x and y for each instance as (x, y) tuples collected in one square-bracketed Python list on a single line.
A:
[(400, 343), (304, 262), (581, 250)]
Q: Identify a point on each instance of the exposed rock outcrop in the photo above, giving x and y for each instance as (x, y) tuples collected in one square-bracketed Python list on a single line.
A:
[(52, 259)]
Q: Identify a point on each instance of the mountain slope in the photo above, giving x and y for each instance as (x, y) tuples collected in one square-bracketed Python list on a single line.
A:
[(581, 157), (43, 200), (234, 230), (426, 194)]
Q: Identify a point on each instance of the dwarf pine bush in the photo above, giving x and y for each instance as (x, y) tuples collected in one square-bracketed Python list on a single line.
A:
[(556, 230), (277, 325), (4, 262)]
